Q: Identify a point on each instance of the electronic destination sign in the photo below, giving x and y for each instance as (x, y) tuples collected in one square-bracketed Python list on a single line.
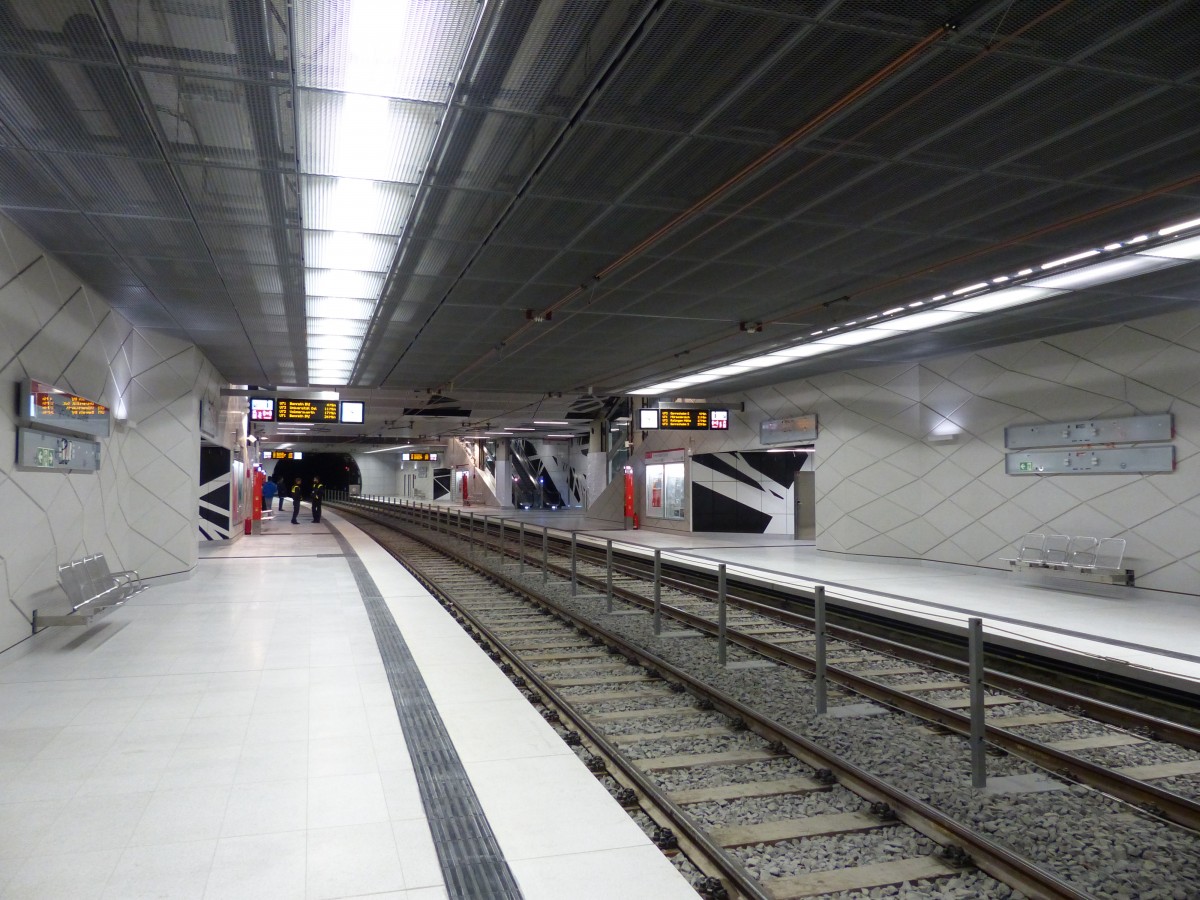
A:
[(306, 410), (49, 406), (281, 409), (683, 419)]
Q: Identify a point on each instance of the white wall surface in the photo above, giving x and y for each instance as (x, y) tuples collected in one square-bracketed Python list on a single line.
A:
[(380, 473), (140, 509), (884, 489)]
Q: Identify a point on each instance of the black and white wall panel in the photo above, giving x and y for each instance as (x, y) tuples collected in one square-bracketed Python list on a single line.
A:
[(749, 491)]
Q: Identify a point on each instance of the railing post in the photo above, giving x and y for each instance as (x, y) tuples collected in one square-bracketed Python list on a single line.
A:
[(722, 628), (521, 549), (820, 687), (658, 591), (608, 564), (471, 532), (978, 726), (545, 553), (574, 579)]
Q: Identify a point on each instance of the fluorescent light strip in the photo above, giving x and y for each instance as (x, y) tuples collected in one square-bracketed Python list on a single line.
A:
[(1103, 272), (548, 422), (1069, 259)]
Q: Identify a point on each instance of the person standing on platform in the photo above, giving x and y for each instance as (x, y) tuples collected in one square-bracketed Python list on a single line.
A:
[(282, 494), (315, 495), (296, 491), (268, 491)]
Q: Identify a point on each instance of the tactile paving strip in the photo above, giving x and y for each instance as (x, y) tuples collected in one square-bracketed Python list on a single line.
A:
[(471, 860)]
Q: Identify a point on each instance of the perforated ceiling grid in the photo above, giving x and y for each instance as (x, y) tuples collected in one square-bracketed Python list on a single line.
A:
[(155, 147)]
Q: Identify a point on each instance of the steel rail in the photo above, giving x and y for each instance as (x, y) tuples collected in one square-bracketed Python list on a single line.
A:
[(1171, 806), (996, 860), (1167, 804)]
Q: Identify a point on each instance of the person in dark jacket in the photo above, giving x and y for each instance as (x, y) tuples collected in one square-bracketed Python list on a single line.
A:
[(296, 492), (282, 493), (268, 494), (316, 493)]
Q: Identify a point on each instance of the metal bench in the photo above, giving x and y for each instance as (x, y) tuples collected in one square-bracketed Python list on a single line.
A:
[(1082, 556), (91, 588)]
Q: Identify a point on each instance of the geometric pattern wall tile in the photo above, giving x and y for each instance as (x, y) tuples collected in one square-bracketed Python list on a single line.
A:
[(139, 508), (871, 448)]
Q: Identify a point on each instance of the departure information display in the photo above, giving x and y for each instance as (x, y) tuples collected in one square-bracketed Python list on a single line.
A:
[(49, 406), (282, 454), (282, 409), (419, 457), (306, 410), (683, 419)]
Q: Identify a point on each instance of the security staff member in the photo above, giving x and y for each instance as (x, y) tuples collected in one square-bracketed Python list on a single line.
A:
[(315, 495), (296, 491)]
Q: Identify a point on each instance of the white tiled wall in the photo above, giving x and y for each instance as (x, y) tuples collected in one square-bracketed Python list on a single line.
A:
[(884, 488), (140, 508)]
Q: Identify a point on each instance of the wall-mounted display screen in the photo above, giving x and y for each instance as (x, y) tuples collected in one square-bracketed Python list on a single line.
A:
[(44, 451), (353, 412), (282, 454), (419, 457), (306, 410), (262, 409), (49, 406), (694, 419), (788, 431)]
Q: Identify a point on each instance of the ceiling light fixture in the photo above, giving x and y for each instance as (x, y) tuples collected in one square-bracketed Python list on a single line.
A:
[(1163, 255)]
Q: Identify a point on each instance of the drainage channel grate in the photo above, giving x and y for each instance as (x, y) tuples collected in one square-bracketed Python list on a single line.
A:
[(471, 860)]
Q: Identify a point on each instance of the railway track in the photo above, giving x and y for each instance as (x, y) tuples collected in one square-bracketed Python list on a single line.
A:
[(737, 775)]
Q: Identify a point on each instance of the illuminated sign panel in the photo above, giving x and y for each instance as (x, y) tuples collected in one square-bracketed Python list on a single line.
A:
[(351, 412), (262, 409), (282, 454), (419, 457), (647, 419), (694, 419), (49, 406), (306, 410)]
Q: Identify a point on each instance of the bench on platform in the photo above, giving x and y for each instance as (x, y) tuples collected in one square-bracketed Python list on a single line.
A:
[(1089, 558), (91, 588)]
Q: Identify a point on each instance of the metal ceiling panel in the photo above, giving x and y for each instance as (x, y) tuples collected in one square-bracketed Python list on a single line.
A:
[(378, 207), (189, 35), (154, 145), (226, 195), (25, 181), (463, 215), (401, 133), (61, 231), (330, 250), (431, 32), (169, 238)]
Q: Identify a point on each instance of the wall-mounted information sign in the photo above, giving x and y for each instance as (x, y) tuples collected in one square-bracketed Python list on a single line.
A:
[(353, 412), (789, 430), (1100, 461), (262, 409), (684, 419), (48, 406), (419, 457), (282, 454), (56, 452), (1131, 430), (306, 410)]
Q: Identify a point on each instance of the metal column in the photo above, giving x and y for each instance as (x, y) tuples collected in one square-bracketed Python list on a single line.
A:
[(820, 687), (658, 592), (722, 630)]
